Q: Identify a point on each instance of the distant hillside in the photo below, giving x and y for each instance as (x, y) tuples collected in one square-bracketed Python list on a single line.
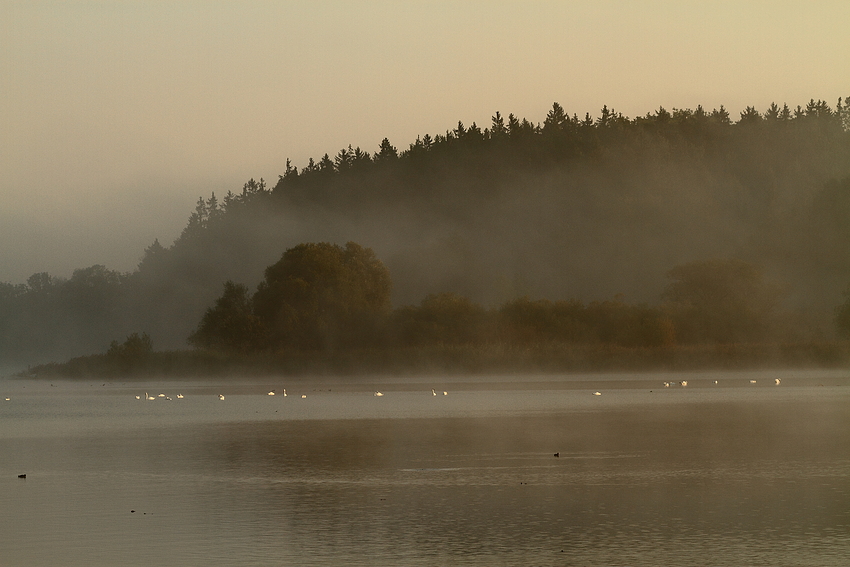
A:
[(570, 208)]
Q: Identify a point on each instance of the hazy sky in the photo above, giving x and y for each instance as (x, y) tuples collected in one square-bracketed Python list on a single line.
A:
[(115, 116)]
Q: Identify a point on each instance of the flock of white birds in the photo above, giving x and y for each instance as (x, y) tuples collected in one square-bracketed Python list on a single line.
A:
[(148, 397), (682, 383)]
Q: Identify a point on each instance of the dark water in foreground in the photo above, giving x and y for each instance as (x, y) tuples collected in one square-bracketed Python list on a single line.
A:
[(726, 474)]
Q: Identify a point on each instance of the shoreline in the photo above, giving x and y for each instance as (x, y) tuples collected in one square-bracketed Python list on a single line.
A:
[(449, 360)]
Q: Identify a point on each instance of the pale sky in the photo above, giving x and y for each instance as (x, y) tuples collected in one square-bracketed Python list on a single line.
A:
[(115, 116)]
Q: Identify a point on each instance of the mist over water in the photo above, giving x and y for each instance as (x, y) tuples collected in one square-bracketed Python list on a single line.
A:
[(742, 473)]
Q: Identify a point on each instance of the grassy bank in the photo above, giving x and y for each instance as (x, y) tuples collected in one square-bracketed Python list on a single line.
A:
[(455, 359)]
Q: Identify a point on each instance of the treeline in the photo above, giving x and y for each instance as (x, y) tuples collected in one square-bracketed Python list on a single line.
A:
[(324, 297), (573, 207), (570, 208), (517, 144), (324, 308)]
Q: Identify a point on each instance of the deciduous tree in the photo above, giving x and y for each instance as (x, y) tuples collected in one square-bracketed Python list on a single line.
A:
[(321, 295), (231, 324)]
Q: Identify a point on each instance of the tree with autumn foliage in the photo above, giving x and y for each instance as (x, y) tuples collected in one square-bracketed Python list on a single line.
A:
[(321, 295)]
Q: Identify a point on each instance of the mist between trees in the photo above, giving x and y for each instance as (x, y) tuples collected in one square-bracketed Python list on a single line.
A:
[(324, 308), (575, 231), (323, 297)]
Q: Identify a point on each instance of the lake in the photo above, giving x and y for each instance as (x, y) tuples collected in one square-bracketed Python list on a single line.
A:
[(730, 470)]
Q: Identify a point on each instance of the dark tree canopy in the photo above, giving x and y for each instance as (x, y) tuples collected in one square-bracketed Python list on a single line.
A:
[(444, 318), (231, 324), (321, 295), (721, 301)]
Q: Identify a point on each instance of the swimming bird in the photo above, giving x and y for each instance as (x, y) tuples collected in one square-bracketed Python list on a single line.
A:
[(379, 394), (147, 397), (179, 396), (666, 384), (221, 396), (557, 454), (138, 397), (271, 393), (284, 392), (445, 393), (433, 392), (777, 381), (684, 382), (303, 396), (752, 381), (597, 393), (160, 395)]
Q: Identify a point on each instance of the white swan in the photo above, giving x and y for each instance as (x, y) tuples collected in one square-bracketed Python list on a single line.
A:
[(777, 381), (147, 397), (221, 396), (179, 396), (271, 393), (597, 393), (379, 394), (284, 392)]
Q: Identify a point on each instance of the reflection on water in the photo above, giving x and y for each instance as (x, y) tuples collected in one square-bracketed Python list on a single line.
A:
[(699, 476)]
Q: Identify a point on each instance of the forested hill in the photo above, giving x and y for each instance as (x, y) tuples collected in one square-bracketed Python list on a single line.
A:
[(570, 208)]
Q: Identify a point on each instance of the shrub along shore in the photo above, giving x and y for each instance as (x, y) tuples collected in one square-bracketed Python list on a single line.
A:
[(452, 360)]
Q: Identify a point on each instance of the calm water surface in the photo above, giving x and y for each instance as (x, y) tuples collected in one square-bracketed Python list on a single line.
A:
[(727, 474)]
